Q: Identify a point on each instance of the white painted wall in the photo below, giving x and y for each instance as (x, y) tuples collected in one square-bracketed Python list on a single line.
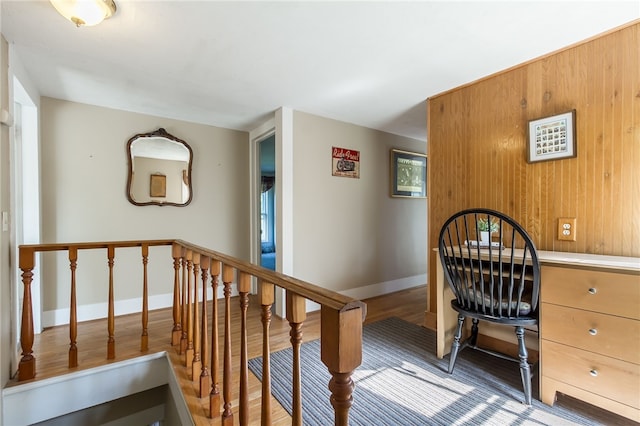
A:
[(5, 271), (11, 68), (84, 173), (349, 235)]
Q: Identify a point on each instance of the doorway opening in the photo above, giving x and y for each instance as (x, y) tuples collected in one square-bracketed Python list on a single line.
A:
[(267, 151)]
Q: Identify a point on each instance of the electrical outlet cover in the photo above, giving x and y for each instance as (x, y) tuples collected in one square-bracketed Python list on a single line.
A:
[(567, 228)]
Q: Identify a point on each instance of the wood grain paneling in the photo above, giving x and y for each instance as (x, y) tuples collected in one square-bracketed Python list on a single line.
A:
[(477, 147)]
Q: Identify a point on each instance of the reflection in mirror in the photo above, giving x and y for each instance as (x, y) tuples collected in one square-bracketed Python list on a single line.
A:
[(159, 170)]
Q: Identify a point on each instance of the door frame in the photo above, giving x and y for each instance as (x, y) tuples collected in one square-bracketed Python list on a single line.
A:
[(25, 209), (255, 137), (282, 126)]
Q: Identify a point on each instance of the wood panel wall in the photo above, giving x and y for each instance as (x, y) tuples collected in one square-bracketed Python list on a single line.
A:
[(477, 148)]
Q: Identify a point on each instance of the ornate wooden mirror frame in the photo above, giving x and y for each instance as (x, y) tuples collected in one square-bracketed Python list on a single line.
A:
[(159, 170)]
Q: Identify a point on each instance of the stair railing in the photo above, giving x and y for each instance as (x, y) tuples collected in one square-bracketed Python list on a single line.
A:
[(341, 324)]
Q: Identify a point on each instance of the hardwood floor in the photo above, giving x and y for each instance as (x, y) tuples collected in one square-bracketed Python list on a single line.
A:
[(51, 349)]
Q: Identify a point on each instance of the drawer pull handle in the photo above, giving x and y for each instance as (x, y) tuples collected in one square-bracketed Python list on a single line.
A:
[(594, 373), (593, 290), (593, 331)]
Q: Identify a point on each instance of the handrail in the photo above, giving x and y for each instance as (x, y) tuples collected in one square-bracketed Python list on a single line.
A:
[(341, 322), (309, 291), (94, 245)]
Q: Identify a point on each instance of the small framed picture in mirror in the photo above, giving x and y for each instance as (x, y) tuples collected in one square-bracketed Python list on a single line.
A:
[(158, 186)]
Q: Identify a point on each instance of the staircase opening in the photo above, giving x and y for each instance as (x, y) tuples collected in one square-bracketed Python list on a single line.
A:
[(142, 391)]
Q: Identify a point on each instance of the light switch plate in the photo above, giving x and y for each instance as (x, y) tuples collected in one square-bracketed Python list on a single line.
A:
[(567, 228)]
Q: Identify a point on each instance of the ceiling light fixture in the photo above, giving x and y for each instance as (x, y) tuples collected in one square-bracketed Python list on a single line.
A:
[(85, 12)]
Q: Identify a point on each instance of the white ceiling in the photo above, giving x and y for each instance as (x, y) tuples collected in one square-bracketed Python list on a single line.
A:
[(231, 64)]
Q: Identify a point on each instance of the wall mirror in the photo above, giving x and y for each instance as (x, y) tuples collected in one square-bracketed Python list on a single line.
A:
[(159, 170)]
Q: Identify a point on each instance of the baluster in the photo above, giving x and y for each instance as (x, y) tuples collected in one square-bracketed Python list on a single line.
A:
[(188, 355), (227, 414), (111, 342), (296, 314), (205, 379), (244, 286), (73, 314), (196, 364), (176, 333), (27, 366), (183, 340), (267, 292), (214, 396), (341, 352), (144, 339)]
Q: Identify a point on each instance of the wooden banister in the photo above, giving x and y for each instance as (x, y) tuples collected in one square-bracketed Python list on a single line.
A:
[(27, 366), (205, 379), (320, 295), (176, 333), (188, 355), (227, 413), (244, 286), (199, 348), (341, 352), (185, 314), (144, 338), (73, 313), (196, 364), (296, 314), (267, 297), (111, 321), (214, 396)]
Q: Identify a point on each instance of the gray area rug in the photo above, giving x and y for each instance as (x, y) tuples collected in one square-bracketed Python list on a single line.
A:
[(401, 382)]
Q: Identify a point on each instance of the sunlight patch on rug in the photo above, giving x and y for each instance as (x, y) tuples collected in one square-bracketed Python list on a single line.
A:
[(418, 385), (401, 382)]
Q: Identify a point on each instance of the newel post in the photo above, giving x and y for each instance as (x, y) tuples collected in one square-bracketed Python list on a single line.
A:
[(27, 366), (341, 352)]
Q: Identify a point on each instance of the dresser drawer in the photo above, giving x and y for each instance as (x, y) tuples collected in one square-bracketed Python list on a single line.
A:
[(607, 292), (610, 378), (604, 334)]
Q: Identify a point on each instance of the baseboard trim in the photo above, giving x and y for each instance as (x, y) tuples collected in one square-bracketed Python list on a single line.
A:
[(95, 311), (378, 289), (386, 287)]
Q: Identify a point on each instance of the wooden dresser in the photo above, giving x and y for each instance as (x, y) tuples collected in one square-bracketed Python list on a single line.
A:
[(589, 329), (590, 337)]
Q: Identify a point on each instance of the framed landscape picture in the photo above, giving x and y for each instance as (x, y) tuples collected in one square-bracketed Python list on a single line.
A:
[(408, 172)]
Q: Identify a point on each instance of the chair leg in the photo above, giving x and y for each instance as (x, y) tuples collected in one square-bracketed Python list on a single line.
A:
[(473, 340), (525, 369), (455, 345)]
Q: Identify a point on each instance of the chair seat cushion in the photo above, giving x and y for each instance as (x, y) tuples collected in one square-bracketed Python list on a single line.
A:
[(503, 303)]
